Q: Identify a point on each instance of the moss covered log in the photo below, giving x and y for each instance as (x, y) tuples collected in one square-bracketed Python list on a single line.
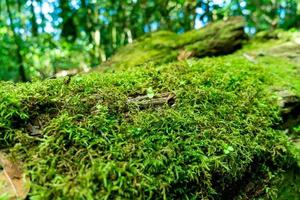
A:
[(219, 38), (92, 137)]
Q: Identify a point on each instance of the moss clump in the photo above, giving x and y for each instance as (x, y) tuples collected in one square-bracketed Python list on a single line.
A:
[(219, 38), (87, 143)]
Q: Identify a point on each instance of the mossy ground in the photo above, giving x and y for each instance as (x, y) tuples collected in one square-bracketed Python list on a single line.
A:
[(213, 143)]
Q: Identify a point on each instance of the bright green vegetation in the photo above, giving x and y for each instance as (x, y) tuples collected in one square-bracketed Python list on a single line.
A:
[(41, 38), (278, 57), (93, 136), (218, 141)]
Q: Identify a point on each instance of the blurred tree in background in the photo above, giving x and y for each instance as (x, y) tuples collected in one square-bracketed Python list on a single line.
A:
[(40, 38)]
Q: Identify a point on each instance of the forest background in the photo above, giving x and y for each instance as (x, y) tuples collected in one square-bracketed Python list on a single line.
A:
[(45, 38)]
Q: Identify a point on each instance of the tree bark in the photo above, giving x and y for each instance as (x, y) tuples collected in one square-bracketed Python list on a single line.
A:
[(290, 109)]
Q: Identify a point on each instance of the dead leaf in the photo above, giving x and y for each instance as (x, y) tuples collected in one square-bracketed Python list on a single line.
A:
[(251, 58), (183, 55), (13, 182)]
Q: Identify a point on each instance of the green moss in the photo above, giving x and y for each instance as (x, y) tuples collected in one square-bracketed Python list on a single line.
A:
[(161, 47), (158, 47), (279, 57), (217, 39), (81, 140), (91, 145)]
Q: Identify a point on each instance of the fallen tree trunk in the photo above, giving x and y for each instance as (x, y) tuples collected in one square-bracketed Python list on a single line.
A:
[(215, 39), (290, 109)]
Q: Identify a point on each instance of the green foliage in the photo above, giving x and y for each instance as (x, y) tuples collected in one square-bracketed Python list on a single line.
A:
[(7, 47), (46, 57), (56, 35), (297, 128)]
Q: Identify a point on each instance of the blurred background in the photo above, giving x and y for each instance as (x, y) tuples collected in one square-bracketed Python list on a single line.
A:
[(45, 38)]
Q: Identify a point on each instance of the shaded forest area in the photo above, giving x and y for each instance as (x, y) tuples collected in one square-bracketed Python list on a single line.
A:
[(44, 38)]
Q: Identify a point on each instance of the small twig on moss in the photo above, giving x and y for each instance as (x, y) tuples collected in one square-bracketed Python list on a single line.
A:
[(144, 101)]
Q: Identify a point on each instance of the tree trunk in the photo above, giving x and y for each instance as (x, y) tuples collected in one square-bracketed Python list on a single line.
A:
[(189, 10), (34, 25), (0, 9), (86, 23), (19, 5), (18, 41), (68, 30)]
